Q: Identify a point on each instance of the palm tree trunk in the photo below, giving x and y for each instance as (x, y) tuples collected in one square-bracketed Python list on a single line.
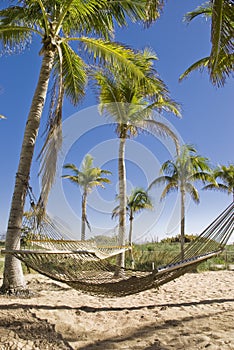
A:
[(182, 223), (13, 278), (130, 238), (130, 228), (84, 215), (122, 200)]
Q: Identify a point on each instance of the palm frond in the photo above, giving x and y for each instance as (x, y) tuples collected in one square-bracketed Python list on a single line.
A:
[(14, 38), (220, 63), (88, 18), (169, 168), (28, 15), (17, 23), (170, 187), (161, 129), (204, 10), (88, 223), (161, 180), (219, 187), (216, 29), (113, 54), (48, 159), (87, 163), (193, 192), (103, 179), (139, 200), (225, 188), (167, 105), (197, 65), (100, 16), (153, 9), (72, 178), (210, 187), (72, 167), (107, 172), (224, 69), (222, 30), (73, 73), (203, 176)]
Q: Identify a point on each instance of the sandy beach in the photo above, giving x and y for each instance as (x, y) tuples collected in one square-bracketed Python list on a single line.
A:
[(194, 312)]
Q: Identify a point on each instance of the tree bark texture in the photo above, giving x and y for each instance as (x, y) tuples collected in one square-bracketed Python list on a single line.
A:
[(84, 215), (122, 200), (13, 278), (182, 223)]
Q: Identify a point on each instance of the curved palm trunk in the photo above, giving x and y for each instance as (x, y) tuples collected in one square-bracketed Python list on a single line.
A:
[(13, 276), (182, 223), (130, 238), (122, 199), (84, 215)]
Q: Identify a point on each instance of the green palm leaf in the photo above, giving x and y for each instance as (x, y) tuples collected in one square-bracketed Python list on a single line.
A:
[(74, 74), (113, 54), (201, 64), (220, 63), (193, 192)]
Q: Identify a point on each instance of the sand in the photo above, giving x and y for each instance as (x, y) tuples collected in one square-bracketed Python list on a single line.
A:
[(194, 312)]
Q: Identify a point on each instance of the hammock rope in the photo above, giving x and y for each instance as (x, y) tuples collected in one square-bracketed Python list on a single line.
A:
[(52, 235), (84, 270)]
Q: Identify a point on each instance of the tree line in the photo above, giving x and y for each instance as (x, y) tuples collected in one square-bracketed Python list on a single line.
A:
[(122, 75)]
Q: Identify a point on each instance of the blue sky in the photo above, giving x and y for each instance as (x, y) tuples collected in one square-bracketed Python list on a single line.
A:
[(207, 123)]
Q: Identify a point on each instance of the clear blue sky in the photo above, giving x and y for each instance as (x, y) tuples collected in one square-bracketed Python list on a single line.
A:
[(207, 123)]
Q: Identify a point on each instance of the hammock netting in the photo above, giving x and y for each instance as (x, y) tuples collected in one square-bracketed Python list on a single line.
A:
[(84, 265)]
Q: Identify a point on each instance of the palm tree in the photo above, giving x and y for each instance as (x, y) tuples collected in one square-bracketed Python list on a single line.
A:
[(220, 62), (56, 22), (226, 175), (131, 104), (87, 178), (180, 174), (138, 200)]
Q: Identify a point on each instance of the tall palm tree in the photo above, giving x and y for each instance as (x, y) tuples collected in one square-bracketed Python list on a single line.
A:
[(87, 178), (131, 104), (220, 62), (138, 200), (57, 22), (180, 175), (226, 175)]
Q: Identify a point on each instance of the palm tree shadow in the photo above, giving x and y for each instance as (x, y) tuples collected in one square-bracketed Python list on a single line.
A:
[(92, 309), (35, 324), (145, 332)]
